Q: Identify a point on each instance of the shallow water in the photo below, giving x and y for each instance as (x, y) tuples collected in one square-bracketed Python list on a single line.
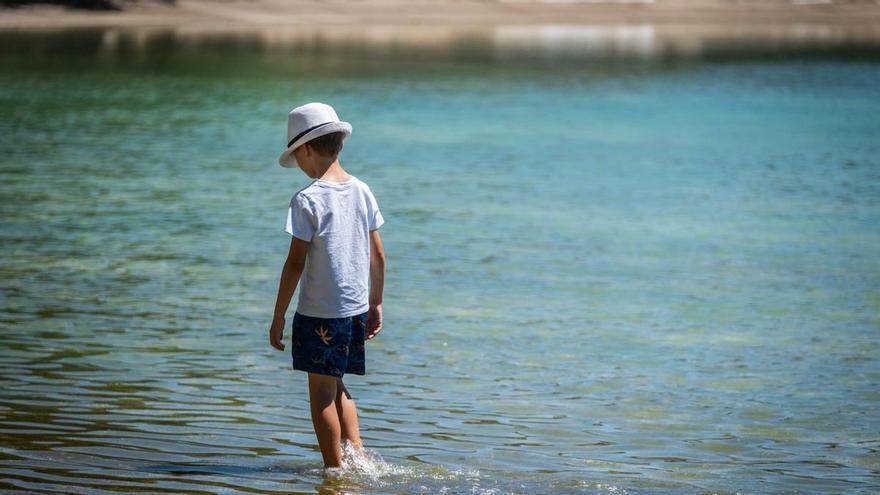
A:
[(619, 274)]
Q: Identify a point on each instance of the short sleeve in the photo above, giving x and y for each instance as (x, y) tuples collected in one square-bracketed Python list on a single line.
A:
[(375, 216), (301, 219)]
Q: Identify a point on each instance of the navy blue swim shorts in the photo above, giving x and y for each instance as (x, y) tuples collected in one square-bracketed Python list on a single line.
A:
[(329, 346)]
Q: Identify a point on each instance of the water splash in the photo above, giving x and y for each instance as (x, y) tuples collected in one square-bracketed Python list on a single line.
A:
[(364, 468), (364, 464)]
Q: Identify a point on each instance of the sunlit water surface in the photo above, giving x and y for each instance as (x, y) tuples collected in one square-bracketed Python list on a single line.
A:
[(639, 275)]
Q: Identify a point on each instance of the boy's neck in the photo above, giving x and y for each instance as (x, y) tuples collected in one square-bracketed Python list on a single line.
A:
[(333, 173)]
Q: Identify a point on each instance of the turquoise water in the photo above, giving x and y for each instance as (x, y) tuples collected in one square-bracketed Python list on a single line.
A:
[(631, 275)]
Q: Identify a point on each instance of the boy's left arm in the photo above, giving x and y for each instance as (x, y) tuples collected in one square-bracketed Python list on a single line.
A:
[(293, 268), (377, 284)]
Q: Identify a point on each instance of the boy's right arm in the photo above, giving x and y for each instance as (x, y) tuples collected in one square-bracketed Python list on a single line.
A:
[(293, 268)]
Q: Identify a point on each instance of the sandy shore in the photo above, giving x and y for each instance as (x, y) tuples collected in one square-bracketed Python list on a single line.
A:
[(219, 14)]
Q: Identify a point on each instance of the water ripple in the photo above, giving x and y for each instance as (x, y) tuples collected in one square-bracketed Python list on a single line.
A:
[(656, 278)]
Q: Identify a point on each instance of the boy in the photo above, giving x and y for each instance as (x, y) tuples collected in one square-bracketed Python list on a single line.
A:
[(336, 252)]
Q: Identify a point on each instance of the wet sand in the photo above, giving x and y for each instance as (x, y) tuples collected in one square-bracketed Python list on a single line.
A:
[(213, 14)]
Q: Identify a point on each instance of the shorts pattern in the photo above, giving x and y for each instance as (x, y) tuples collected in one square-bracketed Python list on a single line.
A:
[(329, 346)]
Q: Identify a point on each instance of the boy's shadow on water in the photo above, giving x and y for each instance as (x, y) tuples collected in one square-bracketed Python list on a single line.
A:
[(218, 469), (362, 471), (308, 474)]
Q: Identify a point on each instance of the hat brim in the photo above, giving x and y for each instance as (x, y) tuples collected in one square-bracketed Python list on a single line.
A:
[(287, 160)]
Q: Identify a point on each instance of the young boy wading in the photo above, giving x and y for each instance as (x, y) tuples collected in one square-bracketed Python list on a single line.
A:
[(336, 255)]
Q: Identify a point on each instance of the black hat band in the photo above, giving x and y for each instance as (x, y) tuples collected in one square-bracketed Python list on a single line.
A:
[(303, 133)]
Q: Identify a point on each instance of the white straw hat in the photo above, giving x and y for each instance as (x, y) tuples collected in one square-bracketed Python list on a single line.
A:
[(307, 122)]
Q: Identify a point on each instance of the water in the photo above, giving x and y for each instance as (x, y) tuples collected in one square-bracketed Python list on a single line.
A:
[(628, 274)]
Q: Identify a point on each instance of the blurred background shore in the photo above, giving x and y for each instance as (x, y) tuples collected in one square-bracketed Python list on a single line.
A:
[(236, 13), (512, 28), (507, 28)]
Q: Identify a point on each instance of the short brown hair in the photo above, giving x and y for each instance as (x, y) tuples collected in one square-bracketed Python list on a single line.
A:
[(328, 145)]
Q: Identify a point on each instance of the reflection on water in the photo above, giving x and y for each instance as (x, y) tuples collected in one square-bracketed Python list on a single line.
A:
[(611, 270)]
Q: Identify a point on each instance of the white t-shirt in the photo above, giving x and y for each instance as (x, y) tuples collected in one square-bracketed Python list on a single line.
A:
[(336, 218)]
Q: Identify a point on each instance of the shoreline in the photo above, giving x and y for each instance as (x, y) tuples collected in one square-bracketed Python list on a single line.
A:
[(214, 15)]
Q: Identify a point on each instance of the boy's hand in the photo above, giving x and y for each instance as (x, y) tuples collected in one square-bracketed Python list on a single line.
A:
[(374, 321), (276, 332)]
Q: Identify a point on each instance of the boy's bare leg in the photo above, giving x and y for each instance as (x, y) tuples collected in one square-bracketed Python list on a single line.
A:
[(347, 412), (325, 418)]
